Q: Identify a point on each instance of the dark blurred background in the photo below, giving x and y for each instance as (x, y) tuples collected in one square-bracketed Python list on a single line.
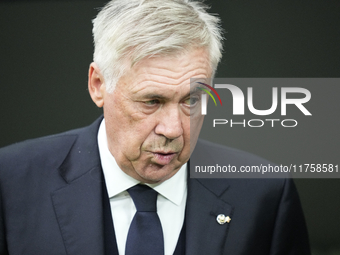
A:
[(46, 48)]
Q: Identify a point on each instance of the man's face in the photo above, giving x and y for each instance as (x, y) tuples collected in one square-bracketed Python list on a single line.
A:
[(148, 115)]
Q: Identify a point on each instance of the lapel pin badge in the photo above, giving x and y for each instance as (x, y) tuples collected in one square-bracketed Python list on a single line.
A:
[(222, 219)]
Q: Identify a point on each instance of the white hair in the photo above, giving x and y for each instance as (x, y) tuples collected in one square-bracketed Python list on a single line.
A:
[(126, 31)]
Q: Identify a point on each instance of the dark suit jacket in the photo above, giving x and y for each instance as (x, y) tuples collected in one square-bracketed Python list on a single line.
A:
[(51, 203)]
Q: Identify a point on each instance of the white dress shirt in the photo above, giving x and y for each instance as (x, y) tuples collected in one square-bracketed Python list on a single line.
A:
[(171, 200)]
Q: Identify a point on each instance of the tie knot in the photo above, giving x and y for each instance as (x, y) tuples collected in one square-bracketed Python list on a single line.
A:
[(144, 197)]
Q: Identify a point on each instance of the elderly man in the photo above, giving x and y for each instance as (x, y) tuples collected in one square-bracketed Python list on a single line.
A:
[(121, 186)]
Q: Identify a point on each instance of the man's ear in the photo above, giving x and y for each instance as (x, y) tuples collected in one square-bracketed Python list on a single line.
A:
[(96, 85)]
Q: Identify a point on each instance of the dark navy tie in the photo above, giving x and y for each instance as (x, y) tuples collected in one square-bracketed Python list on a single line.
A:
[(145, 235)]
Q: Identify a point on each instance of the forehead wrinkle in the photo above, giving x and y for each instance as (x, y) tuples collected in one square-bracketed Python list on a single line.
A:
[(156, 88), (170, 80), (179, 70), (156, 85), (171, 71), (190, 61)]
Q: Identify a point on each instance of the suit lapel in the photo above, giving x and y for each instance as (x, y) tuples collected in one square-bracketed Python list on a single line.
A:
[(206, 200), (79, 205)]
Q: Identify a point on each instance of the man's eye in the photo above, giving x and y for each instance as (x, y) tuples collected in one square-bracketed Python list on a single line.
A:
[(192, 101), (151, 102)]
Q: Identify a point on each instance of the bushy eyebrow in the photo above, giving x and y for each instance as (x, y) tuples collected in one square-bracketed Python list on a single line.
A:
[(152, 96)]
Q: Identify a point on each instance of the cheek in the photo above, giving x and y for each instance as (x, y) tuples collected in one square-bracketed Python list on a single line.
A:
[(136, 135), (123, 114), (121, 126)]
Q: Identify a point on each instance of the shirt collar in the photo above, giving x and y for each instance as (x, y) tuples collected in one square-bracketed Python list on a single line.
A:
[(118, 181)]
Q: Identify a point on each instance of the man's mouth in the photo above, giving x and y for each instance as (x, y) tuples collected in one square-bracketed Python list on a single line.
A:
[(163, 158)]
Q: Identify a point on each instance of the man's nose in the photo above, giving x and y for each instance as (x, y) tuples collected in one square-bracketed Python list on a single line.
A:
[(170, 122)]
